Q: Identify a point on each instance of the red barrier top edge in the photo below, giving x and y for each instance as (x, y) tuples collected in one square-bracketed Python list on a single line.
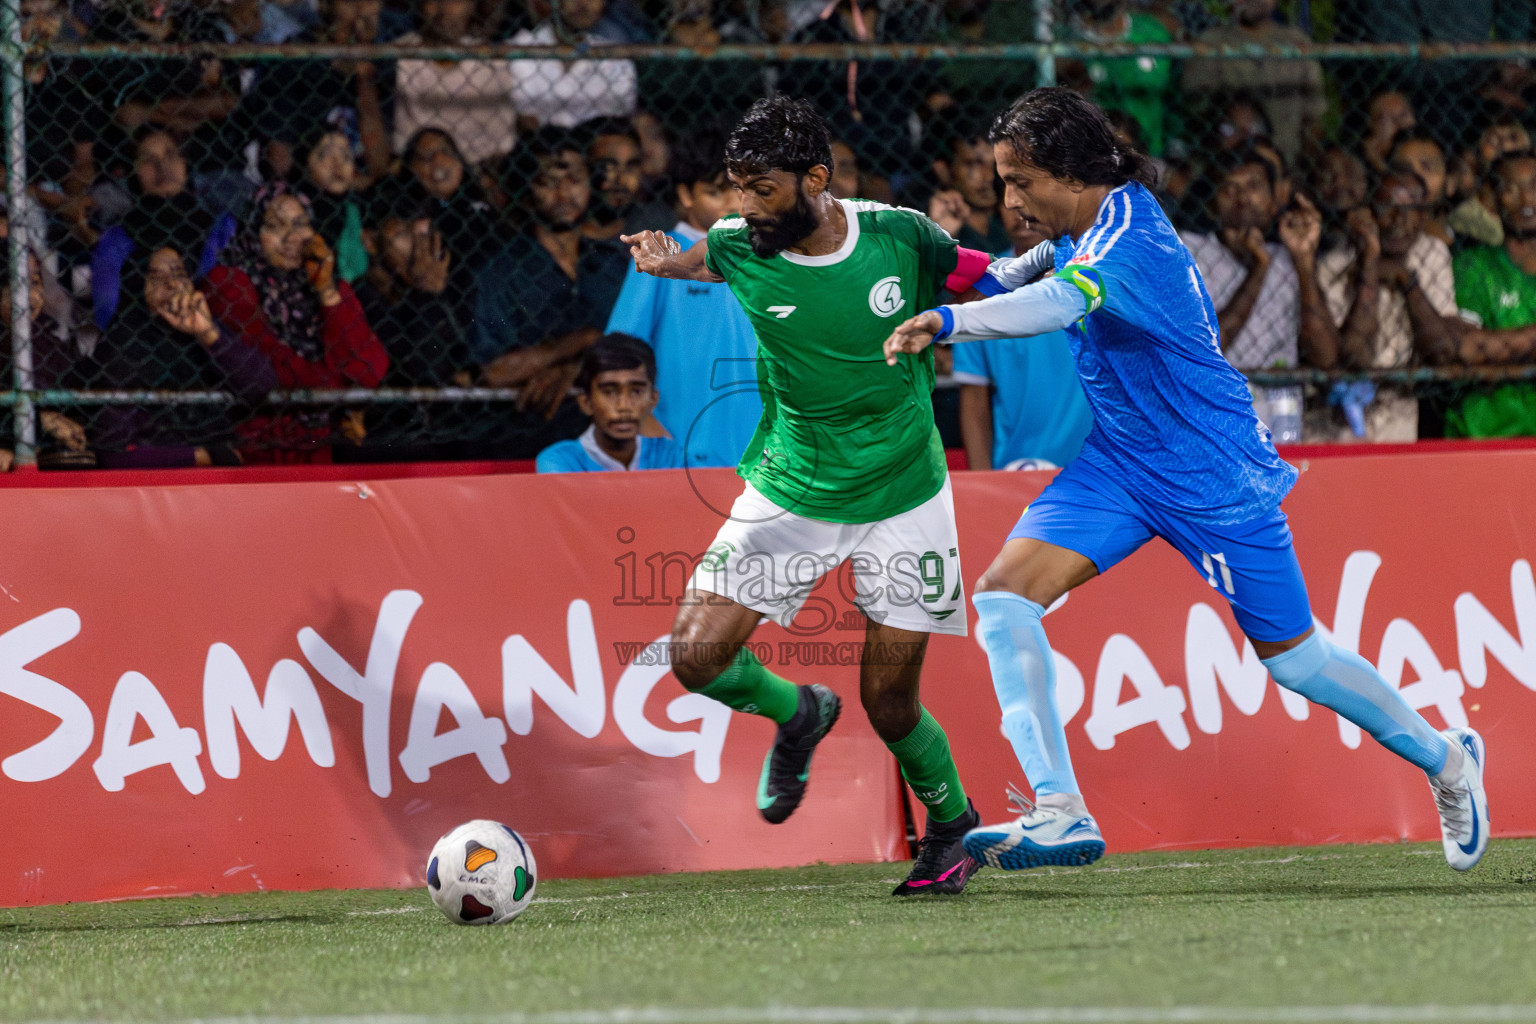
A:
[(32, 477)]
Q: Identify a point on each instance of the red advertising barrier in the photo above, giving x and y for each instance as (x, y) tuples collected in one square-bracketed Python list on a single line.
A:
[(301, 685), (226, 688)]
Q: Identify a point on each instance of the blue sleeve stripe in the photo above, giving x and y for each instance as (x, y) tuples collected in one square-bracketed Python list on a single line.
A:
[(948, 317), (989, 285)]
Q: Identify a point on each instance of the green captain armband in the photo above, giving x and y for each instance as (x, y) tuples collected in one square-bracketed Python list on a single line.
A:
[(1086, 280)]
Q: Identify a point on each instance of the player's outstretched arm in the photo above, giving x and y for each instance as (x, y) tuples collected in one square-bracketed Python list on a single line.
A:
[(912, 336), (1039, 308), (1016, 271), (659, 254)]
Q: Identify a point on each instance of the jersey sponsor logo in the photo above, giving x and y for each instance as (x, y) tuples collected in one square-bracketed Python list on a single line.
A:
[(885, 297), (715, 558), (1509, 300), (782, 311)]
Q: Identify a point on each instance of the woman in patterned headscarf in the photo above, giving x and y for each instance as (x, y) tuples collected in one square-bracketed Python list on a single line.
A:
[(276, 289)]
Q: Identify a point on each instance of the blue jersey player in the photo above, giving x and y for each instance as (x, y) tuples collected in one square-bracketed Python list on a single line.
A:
[(1175, 452)]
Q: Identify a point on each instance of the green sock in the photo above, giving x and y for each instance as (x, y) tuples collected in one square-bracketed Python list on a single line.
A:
[(930, 770), (747, 686)]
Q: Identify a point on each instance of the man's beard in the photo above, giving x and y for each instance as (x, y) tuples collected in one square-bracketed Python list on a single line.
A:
[(605, 212), (980, 199), (798, 224), (559, 225)]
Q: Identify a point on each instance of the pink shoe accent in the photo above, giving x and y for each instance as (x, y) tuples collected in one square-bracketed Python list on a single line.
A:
[(919, 881), (951, 871)]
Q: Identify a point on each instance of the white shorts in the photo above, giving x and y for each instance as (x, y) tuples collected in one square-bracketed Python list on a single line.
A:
[(905, 570)]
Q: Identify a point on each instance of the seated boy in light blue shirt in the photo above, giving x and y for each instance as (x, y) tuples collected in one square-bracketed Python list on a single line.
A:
[(618, 390), (703, 340)]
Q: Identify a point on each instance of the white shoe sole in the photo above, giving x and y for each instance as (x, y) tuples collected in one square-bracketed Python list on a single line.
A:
[(1004, 848)]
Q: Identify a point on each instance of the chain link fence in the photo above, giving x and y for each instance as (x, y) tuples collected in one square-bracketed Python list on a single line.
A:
[(301, 230)]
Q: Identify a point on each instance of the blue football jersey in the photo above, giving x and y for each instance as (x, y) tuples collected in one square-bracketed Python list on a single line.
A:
[(1173, 422), (706, 359)]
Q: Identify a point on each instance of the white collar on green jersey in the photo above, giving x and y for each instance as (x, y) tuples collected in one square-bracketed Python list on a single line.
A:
[(843, 251)]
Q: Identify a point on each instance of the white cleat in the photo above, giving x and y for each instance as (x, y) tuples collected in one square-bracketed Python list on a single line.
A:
[(1040, 836), (1462, 804)]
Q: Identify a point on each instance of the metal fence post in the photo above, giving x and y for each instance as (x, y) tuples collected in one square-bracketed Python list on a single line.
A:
[(16, 199), (1045, 64)]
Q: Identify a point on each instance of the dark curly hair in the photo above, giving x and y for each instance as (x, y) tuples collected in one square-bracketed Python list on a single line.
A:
[(526, 162), (779, 134), (1069, 137)]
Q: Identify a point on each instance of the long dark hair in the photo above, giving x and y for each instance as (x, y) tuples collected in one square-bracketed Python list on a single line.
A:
[(1069, 137)]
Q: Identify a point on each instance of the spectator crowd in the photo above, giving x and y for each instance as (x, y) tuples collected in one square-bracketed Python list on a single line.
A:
[(238, 225)]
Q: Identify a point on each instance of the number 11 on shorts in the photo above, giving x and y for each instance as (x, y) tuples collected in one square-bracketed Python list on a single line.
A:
[(1206, 559)]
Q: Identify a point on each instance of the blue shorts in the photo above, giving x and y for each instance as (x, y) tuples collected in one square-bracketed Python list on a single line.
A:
[(1252, 564)]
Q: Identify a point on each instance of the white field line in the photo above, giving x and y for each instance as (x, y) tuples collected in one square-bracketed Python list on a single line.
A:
[(1355, 1013)]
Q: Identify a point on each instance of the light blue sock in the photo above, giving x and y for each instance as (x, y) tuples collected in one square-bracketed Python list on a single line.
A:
[(1344, 682), (1024, 675)]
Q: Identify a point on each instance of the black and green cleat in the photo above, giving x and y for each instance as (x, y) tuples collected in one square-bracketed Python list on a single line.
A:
[(787, 768)]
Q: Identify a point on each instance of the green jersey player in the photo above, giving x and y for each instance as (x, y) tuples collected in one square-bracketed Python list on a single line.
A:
[(846, 465)]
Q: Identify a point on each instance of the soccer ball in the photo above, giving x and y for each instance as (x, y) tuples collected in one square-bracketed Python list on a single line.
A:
[(1028, 464), (481, 873)]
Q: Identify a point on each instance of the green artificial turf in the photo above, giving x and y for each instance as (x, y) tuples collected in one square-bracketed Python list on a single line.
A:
[(1368, 927)]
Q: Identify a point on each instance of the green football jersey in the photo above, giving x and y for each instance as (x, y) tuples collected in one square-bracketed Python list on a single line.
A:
[(1489, 284), (844, 438)]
